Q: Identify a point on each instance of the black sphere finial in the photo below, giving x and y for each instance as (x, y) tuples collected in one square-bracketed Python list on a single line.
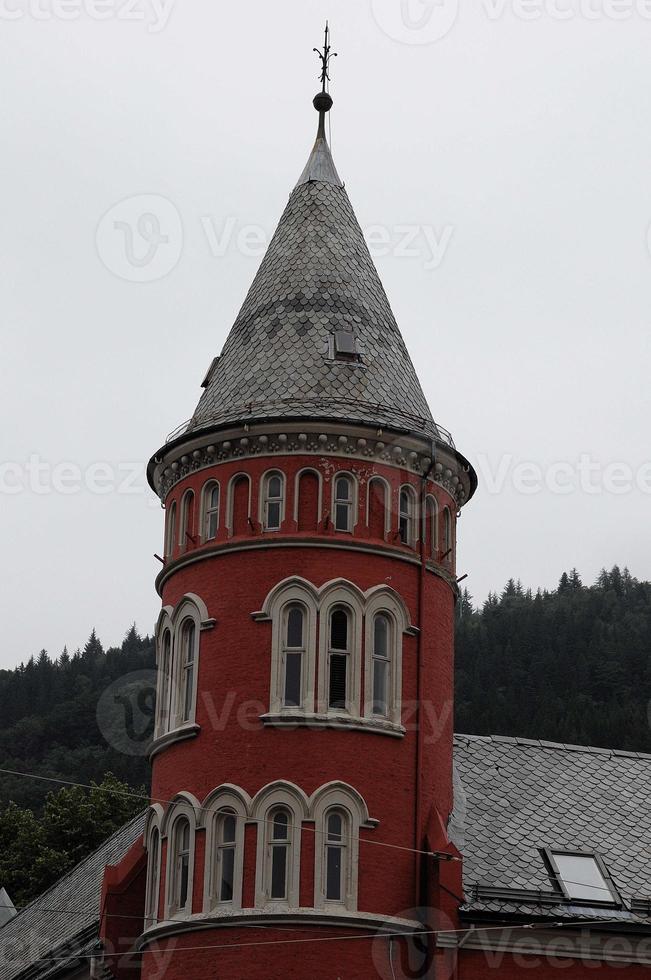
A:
[(322, 102)]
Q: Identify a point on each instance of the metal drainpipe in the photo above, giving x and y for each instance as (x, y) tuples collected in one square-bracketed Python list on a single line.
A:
[(420, 674)]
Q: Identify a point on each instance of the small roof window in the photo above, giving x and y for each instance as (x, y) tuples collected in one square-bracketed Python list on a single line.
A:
[(345, 344), (582, 876)]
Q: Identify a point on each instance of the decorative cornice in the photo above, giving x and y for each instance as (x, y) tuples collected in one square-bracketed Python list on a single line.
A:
[(304, 719), (443, 464)]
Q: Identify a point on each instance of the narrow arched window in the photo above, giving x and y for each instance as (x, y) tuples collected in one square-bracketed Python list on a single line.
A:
[(225, 853), (187, 520), (339, 650), (430, 531), (344, 503), (279, 847), (210, 511), (164, 682), (188, 659), (273, 502), (447, 534), (153, 878), (407, 519), (335, 864), (181, 898), (382, 645), (293, 656), (171, 530)]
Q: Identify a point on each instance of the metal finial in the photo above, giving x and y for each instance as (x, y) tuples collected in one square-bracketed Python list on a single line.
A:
[(325, 57)]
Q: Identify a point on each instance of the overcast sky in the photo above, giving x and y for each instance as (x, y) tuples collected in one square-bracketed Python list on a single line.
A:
[(499, 155)]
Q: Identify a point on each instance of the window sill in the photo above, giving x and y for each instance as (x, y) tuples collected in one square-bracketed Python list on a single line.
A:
[(305, 719), (189, 730)]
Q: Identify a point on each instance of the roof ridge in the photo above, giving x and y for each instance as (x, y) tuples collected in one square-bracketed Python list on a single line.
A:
[(70, 871), (554, 746)]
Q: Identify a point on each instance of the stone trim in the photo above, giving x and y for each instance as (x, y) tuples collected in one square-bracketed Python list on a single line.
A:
[(578, 941), (170, 738), (402, 450), (355, 723)]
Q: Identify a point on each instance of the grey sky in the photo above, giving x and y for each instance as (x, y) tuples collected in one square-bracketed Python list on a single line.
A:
[(507, 164)]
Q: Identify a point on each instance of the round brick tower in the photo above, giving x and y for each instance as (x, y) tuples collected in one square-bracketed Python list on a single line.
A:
[(305, 642)]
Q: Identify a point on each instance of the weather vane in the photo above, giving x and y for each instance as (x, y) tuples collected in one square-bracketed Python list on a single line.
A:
[(325, 57)]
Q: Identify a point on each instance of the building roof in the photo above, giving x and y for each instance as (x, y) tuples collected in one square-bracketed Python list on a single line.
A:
[(317, 278), (62, 923), (515, 796)]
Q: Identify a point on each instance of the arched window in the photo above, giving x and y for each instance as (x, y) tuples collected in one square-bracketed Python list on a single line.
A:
[(307, 500), (210, 511), (239, 504), (382, 648), (343, 503), (180, 891), (188, 657), (293, 655), (153, 878), (377, 512), (407, 516), (279, 854), (431, 530), (339, 653), (225, 857), (273, 501), (448, 542), (336, 867), (164, 683), (171, 530), (186, 526)]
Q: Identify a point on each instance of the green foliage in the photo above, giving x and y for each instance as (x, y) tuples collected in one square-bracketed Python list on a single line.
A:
[(36, 851), (573, 665)]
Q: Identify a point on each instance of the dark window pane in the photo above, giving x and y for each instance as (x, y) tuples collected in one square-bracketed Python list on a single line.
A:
[(342, 490), (273, 514), (342, 521), (335, 824), (212, 525), (295, 628), (184, 871), (381, 636), (333, 874), (188, 638), (338, 670), (228, 875), (279, 871), (280, 826), (189, 693), (380, 671), (293, 693), (228, 829), (274, 487), (339, 630)]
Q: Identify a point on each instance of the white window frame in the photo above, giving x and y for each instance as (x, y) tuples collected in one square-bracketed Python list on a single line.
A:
[(208, 510), (265, 499), (187, 667), (448, 535), (234, 800), (268, 800), (183, 808), (338, 796), (152, 895), (352, 504), (349, 598), (170, 530), (610, 895), (165, 674), (410, 515), (286, 594), (431, 506), (191, 606), (387, 502), (383, 600), (186, 522)]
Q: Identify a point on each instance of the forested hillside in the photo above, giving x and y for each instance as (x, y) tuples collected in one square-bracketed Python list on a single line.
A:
[(572, 665)]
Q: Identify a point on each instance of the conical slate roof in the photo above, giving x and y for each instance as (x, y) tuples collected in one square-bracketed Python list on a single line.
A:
[(289, 354)]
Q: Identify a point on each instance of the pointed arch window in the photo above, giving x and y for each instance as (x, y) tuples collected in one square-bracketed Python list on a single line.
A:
[(273, 504), (210, 511), (171, 530), (343, 503), (186, 525), (164, 683), (448, 540), (188, 658), (153, 878), (430, 528), (407, 516), (293, 656), (339, 655), (336, 858), (279, 853), (181, 874), (382, 650)]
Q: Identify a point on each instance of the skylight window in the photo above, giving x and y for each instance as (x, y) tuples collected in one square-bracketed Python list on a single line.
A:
[(345, 345), (582, 876)]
